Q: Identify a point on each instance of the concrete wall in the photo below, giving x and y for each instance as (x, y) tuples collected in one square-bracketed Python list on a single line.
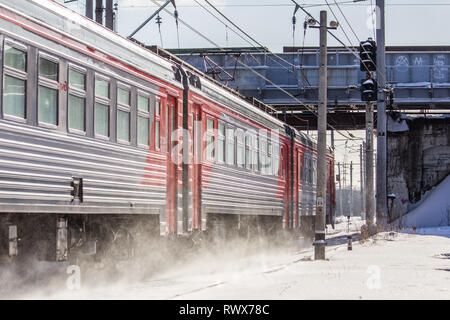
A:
[(418, 158)]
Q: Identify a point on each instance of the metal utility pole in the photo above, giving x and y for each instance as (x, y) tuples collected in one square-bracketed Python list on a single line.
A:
[(340, 189), (109, 15), (381, 116), (364, 178), (361, 183), (332, 140), (319, 241), (344, 174), (99, 11), (351, 189), (89, 9), (369, 170)]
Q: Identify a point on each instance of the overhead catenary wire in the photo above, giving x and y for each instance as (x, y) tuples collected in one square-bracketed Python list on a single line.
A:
[(345, 18), (337, 20), (349, 3), (342, 43), (313, 111), (265, 50), (250, 68), (255, 41)]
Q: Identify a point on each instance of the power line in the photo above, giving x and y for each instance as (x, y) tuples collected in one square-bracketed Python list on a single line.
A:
[(260, 50), (337, 20), (308, 5), (251, 69), (333, 35), (292, 65), (270, 52), (262, 46), (342, 13)]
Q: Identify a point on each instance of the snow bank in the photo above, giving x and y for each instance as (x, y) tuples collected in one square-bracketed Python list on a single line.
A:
[(436, 231), (434, 211)]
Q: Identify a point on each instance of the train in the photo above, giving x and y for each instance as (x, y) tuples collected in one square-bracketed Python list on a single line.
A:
[(103, 140)]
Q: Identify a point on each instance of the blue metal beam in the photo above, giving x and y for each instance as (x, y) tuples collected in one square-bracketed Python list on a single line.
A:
[(420, 77)]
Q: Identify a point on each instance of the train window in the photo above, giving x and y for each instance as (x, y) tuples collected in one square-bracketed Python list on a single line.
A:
[(14, 81), (77, 80), (101, 110), (143, 130), (123, 114), (276, 160), (302, 167), (230, 146), (269, 159), (15, 58), (76, 113), (143, 120), (123, 96), (48, 69), (309, 170), (157, 125), (102, 88), (209, 125), (240, 148), (101, 117), (255, 152), (14, 96), (157, 109), (263, 157), (48, 91), (314, 171), (143, 103), (168, 128), (123, 125), (209, 139), (221, 143), (248, 142), (77, 100)]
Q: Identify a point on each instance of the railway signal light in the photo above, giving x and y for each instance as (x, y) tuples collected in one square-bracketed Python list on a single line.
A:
[(368, 90), (368, 55)]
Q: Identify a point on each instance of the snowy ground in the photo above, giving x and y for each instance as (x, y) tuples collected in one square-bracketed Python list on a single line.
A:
[(394, 265)]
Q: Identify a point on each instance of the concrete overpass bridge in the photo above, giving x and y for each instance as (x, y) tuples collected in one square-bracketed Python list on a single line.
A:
[(419, 77)]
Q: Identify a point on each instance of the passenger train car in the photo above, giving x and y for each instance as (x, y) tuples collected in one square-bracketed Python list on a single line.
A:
[(102, 140)]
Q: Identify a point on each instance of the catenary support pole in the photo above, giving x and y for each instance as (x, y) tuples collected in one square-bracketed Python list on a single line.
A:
[(361, 181), (340, 189), (319, 241), (351, 189), (381, 117), (369, 170)]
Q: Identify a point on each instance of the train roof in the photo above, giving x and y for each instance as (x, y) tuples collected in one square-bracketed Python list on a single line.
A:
[(79, 28)]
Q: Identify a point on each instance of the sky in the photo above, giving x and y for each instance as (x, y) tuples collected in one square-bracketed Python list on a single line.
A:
[(408, 22), (269, 22)]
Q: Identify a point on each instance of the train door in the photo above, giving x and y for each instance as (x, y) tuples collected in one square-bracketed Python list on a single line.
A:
[(172, 176), (197, 149), (283, 177)]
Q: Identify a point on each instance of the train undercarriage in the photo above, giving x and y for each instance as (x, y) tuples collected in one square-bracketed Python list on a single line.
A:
[(103, 238)]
